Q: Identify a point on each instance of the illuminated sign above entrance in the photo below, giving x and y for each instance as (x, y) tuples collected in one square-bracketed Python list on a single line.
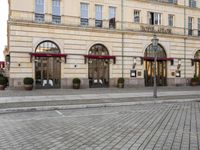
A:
[(155, 29)]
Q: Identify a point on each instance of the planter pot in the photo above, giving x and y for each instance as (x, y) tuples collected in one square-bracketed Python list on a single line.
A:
[(76, 86), (120, 85), (194, 83), (2, 87), (28, 87)]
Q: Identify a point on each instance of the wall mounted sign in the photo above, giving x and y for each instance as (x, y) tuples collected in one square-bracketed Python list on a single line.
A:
[(178, 73), (133, 73)]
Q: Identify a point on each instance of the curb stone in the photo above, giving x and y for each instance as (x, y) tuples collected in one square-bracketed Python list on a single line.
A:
[(82, 106)]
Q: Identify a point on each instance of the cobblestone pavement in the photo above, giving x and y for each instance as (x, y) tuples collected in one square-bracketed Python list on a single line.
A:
[(154, 126)]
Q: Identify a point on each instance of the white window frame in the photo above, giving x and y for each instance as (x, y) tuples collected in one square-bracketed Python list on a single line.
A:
[(157, 17)]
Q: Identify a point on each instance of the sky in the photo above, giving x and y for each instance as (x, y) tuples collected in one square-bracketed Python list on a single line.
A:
[(3, 26)]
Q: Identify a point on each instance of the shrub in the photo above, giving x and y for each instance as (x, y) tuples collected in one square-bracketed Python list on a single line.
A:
[(195, 79), (3, 80), (1, 75), (28, 81), (76, 81), (121, 80)]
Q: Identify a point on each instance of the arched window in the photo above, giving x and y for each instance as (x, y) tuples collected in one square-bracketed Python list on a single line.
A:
[(197, 55), (160, 51), (161, 69), (98, 68), (47, 47), (98, 49), (47, 65)]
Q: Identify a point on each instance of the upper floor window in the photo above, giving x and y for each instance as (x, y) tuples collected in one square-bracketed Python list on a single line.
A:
[(190, 20), (112, 15), (39, 10), (172, 1), (98, 16), (154, 18), (171, 20), (167, 1), (198, 26), (192, 3), (136, 16), (56, 11), (84, 14)]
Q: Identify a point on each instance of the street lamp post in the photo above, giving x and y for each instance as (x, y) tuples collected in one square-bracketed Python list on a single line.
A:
[(155, 45)]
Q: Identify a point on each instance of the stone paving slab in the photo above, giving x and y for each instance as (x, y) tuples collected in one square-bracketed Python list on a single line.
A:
[(49, 92), (164, 126), (35, 98)]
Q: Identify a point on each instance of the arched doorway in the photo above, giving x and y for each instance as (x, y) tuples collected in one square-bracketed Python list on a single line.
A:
[(161, 66), (98, 67), (197, 64), (47, 67)]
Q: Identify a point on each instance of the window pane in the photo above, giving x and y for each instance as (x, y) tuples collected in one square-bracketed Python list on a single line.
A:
[(171, 20), (98, 12), (84, 10), (112, 12), (190, 31), (39, 6), (56, 7)]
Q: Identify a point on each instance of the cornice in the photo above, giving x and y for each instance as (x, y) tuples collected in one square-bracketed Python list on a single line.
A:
[(93, 29), (168, 4)]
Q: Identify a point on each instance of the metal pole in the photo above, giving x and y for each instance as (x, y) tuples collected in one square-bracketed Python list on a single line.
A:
[(185, 42), (122, 28), (155, 85)]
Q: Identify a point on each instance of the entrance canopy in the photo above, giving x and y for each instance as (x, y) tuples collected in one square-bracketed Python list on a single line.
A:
[(48, 55), (158, 58)]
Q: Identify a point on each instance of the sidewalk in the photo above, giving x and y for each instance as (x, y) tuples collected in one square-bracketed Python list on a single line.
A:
[(43, 99)]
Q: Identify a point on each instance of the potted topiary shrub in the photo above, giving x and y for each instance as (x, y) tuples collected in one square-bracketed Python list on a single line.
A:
[(2, 82), (120, 82), (76, 83), (194, 81), (28, 83)]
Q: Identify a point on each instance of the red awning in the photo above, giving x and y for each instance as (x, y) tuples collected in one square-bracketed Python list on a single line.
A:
[(47, 55), (158, 58), (196, 60), (101, 57)]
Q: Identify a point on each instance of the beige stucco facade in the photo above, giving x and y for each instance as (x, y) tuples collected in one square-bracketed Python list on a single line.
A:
[(128, 41)]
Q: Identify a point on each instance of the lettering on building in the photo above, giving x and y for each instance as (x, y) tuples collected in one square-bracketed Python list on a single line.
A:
[(156, 29)]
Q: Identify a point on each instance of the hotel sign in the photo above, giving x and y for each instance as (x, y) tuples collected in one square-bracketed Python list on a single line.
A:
[(156, 29)]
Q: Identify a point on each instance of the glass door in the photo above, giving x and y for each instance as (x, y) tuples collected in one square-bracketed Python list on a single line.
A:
[(161, 73), (47, 72), (98, 73)]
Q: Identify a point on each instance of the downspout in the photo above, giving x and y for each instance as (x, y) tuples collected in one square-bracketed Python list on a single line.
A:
[(185, 41), (122, 30)]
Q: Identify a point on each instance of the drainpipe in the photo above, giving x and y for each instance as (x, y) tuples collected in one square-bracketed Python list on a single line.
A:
[(122, 28), (185, 34)]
